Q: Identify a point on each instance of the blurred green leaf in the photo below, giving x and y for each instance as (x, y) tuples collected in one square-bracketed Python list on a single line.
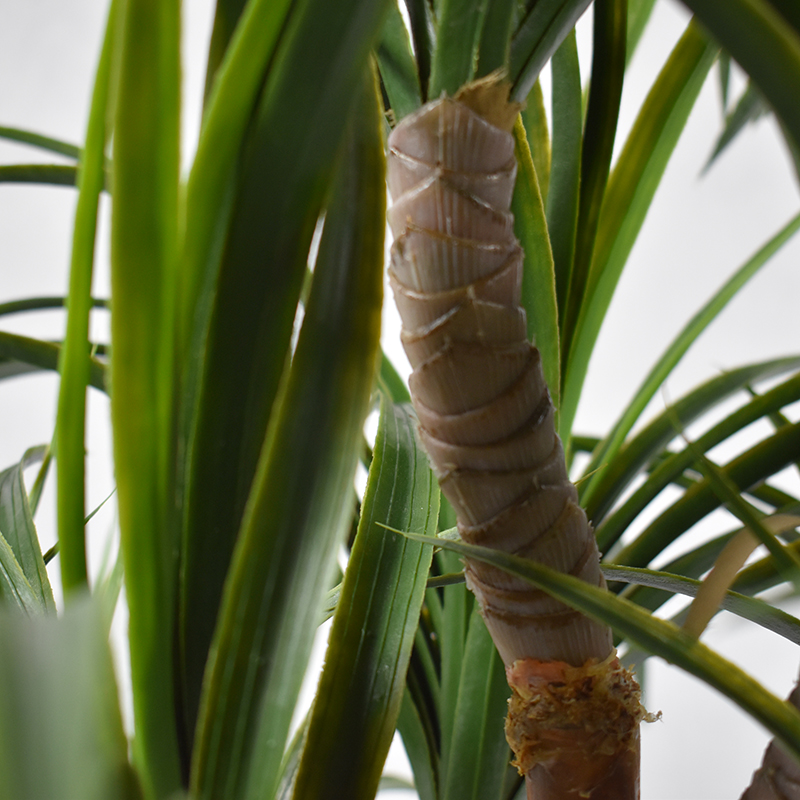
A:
[(60, 725), (764, 44), (18, 530), (749, 108), (300, 507), (762, 460), (42, 142), (565, 172), (420, 745), (362, 682), (423, 37), (639, 12), (534, 118), (540, 33), (397, 66), (600, 128), (21, 354), (458, 31), (630, 190), (650, 441)]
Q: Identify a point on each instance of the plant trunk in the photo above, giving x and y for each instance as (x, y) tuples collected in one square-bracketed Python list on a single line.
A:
[(778, 778), (487, 423)]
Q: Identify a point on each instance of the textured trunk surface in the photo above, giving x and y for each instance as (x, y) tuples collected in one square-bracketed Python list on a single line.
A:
[(778, 778), (486, 421)]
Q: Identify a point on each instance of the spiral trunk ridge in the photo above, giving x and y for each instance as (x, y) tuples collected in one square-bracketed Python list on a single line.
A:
[(487, 423)]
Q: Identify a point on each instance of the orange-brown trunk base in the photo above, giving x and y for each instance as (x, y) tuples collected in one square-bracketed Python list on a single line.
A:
[(575, 730)]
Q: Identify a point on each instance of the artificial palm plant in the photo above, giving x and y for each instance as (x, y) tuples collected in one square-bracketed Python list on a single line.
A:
[(244, 358)]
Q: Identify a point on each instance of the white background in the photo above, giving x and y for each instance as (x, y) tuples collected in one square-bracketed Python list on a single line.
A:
[(697, 233)]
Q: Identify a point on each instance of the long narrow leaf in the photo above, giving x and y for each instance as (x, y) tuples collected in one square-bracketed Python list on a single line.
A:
[(538, 283), (60, 725), (144, 249), (631, 188), (18, 530), (362, 683), (764, 44), (397, 66), (74, 364), (300, 507), (654, 635), (648, 444), (38, 140), (677, 348)]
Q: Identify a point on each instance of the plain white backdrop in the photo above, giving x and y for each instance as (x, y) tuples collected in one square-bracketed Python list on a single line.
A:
[(698, 232)]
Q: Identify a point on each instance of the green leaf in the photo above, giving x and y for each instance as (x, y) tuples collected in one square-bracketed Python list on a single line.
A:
[(659, 432), (654, 635), (300, 506), (565, 171), (639, 12), (763, 614), (74, 364), (479, 753), (546, 24), (420, 747), (60, 724), (630, 190), (53, 174), (764, 459), (495, 37), (362, 682), (15, 589), (458, 31), (750, 108), (423, 36), (43, 142), (144, 250), (538, 281), (41, 303), (675, 351), (19, 532), (764, 44), (397, 66), (534, 118), (262, 210), (391, 384), (602, 112), (21, 354)]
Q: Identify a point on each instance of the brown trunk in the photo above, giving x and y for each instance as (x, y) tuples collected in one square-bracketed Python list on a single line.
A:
[(486, 420)]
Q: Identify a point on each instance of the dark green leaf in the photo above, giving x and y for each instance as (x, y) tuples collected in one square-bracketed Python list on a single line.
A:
[(43, 142), (458, 30), (397, 66), (750, 108), (539, 35), (631, 188), (362, 683), (301, 503)]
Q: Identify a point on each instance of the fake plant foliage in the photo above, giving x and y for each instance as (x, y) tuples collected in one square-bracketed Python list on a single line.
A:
[(241, 365)]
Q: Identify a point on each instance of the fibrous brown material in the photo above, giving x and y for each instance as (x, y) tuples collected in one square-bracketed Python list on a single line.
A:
[(486, 418)]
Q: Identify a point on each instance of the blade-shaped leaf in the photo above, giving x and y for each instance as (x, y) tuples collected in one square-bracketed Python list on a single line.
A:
[(479, 753), (538, 283), (300, 507), (397, 66), (362, 683), (677, 348), (18, 530), (38, 140), (656, 636), (15, 589), (60, 724), (630, 191), (649, 443)]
